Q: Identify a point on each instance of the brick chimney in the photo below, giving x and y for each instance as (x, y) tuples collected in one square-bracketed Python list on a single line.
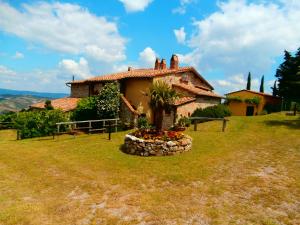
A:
[(129, 68), (174, 63), (163, 64), (157, 64)]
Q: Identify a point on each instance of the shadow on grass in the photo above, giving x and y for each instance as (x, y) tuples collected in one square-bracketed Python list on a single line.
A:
[(122, 148), (291, 124)]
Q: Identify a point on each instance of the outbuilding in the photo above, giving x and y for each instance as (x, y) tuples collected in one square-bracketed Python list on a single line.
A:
[(250, 103)]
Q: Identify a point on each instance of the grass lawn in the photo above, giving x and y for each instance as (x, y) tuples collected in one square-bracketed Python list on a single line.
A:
[(248, 175)]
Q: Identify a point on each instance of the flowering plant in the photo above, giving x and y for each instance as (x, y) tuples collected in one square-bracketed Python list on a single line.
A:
[(151, 134)]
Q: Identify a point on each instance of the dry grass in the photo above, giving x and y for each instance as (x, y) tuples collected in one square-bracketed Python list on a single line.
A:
[(248, 175)]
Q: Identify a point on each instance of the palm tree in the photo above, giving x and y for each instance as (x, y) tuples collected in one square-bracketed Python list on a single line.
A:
[(162, 96)]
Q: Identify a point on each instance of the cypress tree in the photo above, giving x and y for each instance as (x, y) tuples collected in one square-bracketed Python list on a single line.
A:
[(261, 88), (249, 82), (274, 89)]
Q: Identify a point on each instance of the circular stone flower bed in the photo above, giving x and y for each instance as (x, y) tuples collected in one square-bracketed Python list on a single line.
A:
[(170, 143)]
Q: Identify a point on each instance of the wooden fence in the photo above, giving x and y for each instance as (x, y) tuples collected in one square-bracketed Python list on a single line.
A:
[(5, 125), (103, 125), (196, 120)]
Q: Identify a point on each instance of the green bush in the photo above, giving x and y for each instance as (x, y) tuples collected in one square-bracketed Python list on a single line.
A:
[(233, 99), (254, 101), (272, 108), (142, 123), (38, 123), (48, 105), (7, 120), (86, 110), (217, 111), (184, 122), (108, 101)]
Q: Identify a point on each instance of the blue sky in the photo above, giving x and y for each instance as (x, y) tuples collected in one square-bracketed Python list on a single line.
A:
[(44, 43)]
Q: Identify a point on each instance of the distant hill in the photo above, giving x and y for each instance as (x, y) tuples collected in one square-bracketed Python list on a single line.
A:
[(13, 100), (32, 93)]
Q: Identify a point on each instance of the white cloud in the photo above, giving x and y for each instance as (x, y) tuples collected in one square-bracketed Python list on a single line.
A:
[(103, 54), (180, 35), (238, 82), (146, 60), (181, 9), (147, 57), (135, 5), (270, 83), (34, 80), (18, 55), (244, 36), (66, 28), (79, 69), (6, 72)]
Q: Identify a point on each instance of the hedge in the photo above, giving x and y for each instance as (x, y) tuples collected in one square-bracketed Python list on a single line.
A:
[(38, 123), (217, 111)]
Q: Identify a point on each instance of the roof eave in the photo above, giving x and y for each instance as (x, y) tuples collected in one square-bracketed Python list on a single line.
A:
[(198, 74)]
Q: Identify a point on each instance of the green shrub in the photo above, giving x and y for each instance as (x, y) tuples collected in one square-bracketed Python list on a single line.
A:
[(217, 111), (184, 122), (86, 110), (254, 101), (272, 108), (7, 120), (38, 123), (108, 101), (233, 99), (48, 105), (142, 123)]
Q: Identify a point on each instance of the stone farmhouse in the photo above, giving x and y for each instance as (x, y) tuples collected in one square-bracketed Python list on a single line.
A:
[(134, 85)]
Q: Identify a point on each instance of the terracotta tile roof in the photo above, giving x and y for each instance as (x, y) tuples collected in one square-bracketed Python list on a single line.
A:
[(140, 73), (196, 91), (253, 92), (129, 106), (184, 100), (65, 104)]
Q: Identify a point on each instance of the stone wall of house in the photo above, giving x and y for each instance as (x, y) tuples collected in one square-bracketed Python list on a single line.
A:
[(137, 146), (201, 102), (188, 78), (79, 90), (126, 116), (168, 120)]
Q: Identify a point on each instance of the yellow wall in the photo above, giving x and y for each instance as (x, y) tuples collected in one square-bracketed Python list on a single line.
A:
[(135, 93), (239, 108)]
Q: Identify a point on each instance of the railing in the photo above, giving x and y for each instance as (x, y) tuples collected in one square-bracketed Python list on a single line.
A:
[(5, 125), (74, 125), (203, 119)]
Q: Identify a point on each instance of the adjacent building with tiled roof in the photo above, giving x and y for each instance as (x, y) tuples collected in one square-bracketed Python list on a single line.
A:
[(239, 104), (65, 104), (135, 84)]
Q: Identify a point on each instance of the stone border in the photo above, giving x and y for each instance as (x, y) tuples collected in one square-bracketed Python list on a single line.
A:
[(138, 146)]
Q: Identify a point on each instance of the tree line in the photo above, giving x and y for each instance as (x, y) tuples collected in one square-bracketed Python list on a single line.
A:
[(287, 83), (261, 87)]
